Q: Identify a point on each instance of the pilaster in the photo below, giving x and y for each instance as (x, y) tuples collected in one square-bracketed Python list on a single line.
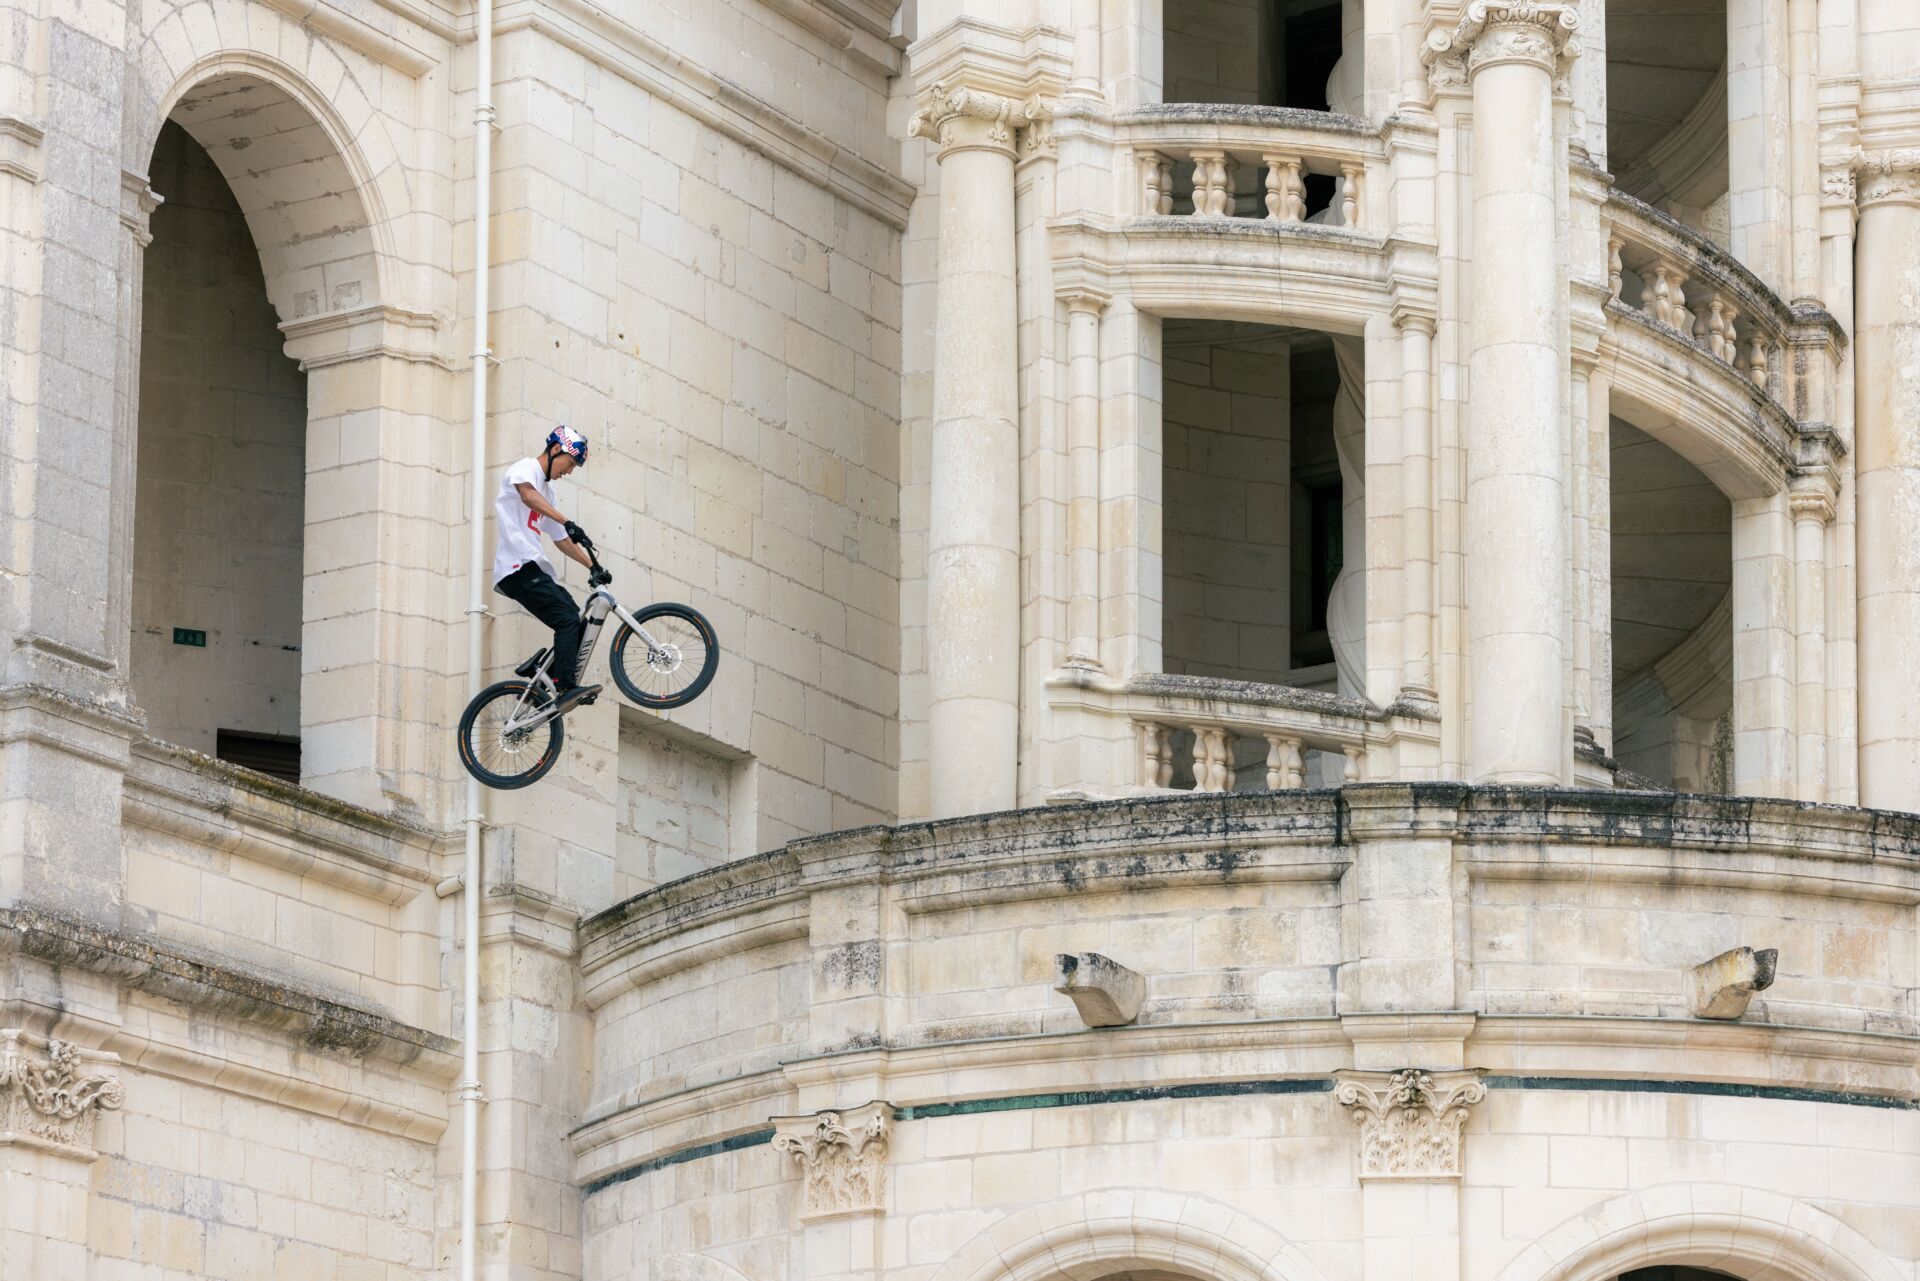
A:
[(50, 1094)]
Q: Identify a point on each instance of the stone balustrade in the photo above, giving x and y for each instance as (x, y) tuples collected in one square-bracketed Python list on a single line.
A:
[(1201, 734), (1219, 161), (1672, 275)]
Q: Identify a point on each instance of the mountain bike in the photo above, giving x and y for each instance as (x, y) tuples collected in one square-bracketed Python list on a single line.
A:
[(662, 657)]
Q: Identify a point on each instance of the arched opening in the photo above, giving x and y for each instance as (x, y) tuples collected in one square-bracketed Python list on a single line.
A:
[(1672, 630), (1667, 108), (247, 530), (219, 504), (1263, 522), (1665, 1272)]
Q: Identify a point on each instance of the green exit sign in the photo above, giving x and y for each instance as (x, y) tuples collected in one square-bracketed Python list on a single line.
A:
[(190, 636)]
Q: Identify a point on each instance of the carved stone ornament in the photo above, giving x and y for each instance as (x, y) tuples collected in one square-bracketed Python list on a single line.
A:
[(48, 1098), (1491, 32), (1409, 1120), (1888, 176), (945, 109), (842, 1158)]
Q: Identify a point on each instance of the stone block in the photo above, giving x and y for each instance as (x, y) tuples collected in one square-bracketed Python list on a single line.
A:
[(1106, 993), (1721, 988)]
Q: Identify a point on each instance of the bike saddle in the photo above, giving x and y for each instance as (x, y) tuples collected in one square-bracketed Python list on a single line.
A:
[(532, 665)]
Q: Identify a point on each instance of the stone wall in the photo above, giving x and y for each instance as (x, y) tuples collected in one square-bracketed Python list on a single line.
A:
[(727, 334), (675, 804), (1215, 49), (218, 516)]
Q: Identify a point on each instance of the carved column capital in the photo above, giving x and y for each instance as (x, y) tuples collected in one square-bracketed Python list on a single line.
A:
[(956, 118), (50, 1092), (1887, 177), (1409, 1120), (842, 1158), (1492, 32)]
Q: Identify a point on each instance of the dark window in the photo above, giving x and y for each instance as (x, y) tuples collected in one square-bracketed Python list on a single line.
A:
[(263, 753)]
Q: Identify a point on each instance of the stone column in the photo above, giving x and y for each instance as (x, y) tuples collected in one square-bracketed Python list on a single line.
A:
[(1416, 490), (1083, 468), (1811, 503), (1517, 470), (1887, 470), (973, 538)]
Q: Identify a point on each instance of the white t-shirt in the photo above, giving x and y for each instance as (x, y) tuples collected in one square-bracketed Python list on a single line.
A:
[(519, 525)]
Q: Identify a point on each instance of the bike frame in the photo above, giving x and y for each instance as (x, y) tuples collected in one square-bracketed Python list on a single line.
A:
[(594, 614)]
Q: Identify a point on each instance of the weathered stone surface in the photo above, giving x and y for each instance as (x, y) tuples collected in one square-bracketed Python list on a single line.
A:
[(1105, 992)]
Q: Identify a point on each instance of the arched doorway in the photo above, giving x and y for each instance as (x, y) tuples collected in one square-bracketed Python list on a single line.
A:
[(219, 504), (273, 387)]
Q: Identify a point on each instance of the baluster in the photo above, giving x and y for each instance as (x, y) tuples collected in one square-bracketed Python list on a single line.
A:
[(1729, 346), (1655, 287), (1156, 754), (1284, 767), (1156, 185), (1286, 190), (1757, 360), (1212, 183), (1614, 267), (1350, 772), (1680, 318), (1351, 181), (1209, 759)]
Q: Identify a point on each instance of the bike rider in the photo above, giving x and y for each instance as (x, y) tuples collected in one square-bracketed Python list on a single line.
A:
[(523, 511)]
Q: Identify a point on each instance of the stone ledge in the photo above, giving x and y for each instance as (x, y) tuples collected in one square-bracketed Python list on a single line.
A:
[(1219, 837), (322, 1023)]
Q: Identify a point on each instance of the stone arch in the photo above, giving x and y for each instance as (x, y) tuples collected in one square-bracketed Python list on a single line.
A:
[(317, 215), (693, 1267), (1129, 1228), (1758, 1235)]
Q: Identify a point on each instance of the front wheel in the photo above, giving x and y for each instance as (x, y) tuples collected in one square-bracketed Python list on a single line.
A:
[(501, 759), (672, 664)]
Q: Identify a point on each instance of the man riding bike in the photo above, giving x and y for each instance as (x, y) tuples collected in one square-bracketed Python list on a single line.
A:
[(524, 509)]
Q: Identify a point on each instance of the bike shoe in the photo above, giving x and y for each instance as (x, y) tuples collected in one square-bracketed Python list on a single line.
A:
[(572, 698)]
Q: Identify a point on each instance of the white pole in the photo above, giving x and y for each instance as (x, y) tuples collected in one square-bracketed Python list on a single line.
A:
[(470, 1097)]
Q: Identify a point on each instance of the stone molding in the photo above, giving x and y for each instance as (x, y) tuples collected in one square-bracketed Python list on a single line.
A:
[(340, 337), (957, 118), (51, 1091), (842, 1157), (137, 203), (1409, 1120)]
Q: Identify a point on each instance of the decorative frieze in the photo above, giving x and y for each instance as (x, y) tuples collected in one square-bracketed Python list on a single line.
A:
[(842, 1158), (1409, 1120), (50, 1092)]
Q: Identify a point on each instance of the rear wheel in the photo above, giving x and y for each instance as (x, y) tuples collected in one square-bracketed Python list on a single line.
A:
[(499, 758), (676, 668)]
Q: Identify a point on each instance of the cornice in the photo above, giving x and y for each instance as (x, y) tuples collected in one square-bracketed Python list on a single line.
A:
[(971, 53), (208, 985)]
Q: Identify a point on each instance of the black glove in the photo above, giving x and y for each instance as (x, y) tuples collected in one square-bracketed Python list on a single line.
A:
[(599, 578), (577, 534)]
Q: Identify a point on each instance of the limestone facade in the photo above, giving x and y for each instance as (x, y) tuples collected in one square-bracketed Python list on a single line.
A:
[(1318, 603)]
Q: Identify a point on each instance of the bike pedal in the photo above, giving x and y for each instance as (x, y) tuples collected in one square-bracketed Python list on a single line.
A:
[(532, 665)]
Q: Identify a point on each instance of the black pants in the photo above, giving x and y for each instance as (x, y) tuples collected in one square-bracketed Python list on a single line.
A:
[(549, 602)]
